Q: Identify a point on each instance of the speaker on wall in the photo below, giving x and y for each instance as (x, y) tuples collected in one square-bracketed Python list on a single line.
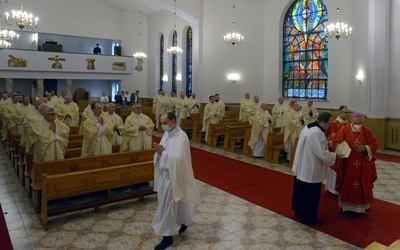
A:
[(117, 50)]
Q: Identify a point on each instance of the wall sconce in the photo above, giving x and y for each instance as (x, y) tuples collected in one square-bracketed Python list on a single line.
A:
[(165, 78), (35, 37), (233, 77), (178, 77), (360, 76)]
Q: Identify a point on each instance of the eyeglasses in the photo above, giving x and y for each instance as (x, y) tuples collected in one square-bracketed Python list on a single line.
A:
[(137, 108), (51, 114), (345, 112)]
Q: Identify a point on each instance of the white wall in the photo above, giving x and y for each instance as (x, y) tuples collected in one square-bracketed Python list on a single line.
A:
[(220, 59), (90, 18), (163, 23), (394, 80)]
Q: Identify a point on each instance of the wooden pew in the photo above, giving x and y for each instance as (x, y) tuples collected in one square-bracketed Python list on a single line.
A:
[(56, 186), (81, 164), (198, 116), (187, 125), (76, 152), (217, 130), (197, 134), (198, 125), (74, 130), (246, 150), (274, 147), (234, 134)]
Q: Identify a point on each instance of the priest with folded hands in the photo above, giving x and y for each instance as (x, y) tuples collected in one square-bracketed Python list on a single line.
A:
[(51, 137)]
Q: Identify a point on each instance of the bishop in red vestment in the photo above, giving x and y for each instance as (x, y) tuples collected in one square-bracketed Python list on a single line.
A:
[(357, 173)]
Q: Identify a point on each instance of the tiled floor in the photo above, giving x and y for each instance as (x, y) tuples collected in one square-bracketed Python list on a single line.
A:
[(223, 221)]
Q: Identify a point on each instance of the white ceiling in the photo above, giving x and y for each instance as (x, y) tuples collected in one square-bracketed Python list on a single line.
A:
[(148, 7)]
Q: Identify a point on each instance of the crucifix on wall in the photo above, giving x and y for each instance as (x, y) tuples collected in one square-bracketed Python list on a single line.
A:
[(56, 64)]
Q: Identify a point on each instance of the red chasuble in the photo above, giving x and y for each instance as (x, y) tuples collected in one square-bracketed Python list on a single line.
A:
[(356, 174), (333, 129)]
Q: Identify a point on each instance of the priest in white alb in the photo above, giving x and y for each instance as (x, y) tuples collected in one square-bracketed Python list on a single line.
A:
[(96, 134), (182, 108), (294, 124), (86, 113), (259, 131), (118, 125), (245, 108), (173, 181), (211, 115), (51, 138), (309, 112), (278, 112), (138, 129), (194, 104), (68, 112)]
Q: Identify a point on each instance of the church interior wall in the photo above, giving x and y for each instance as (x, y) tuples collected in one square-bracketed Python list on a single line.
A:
[(220, 59), (394, 80), (89, 18), (257, 60)]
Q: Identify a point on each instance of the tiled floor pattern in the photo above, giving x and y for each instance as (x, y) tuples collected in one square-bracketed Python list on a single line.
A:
[(223, 221)]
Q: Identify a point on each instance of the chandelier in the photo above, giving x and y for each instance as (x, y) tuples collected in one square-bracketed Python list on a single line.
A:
[(22, 18), (140, 55), (7, 35), (338, 29), (175, 50), (233, 38), (4, 44)]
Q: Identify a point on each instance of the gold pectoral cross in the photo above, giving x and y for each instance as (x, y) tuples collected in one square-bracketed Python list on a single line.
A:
[(355, 144), (356, 184), (356, 164)]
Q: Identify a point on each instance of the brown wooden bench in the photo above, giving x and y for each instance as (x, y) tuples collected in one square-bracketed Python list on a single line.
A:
[(74, 130), (218, 130), (81, 164), (246, 150), (77, 152), (233, 134), (197, 134), (64, 185), (274, 147)]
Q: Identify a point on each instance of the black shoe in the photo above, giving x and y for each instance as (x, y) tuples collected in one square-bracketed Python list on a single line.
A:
[(165, 243), (351, 213), (183, 228)]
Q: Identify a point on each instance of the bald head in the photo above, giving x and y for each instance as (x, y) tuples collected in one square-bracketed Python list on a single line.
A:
[(42, 107)]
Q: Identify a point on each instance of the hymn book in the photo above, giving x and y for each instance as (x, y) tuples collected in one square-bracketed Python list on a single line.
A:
[(344, 149)]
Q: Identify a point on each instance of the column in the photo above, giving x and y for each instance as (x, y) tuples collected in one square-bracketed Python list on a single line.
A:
[(68, 86), (9, 85), (40, 86)]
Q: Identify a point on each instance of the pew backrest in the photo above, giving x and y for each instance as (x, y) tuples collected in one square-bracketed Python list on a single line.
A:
[(80, 164)]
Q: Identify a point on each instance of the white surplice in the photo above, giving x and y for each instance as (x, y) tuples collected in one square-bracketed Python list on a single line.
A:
[(175, 184)]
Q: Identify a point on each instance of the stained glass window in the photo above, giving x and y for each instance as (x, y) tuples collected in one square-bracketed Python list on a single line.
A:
[(161, 62), (189, 54), (174, 62), (305, 51)]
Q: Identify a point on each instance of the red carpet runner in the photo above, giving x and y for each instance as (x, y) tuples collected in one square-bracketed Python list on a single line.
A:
[(273, 190), (5, 241)]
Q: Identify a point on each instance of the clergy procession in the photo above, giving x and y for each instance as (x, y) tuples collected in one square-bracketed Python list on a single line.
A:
[(319, 148)]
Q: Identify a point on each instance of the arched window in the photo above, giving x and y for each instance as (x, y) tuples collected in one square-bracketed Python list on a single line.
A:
[(305, 51), (161, 62), (174, 62), (189, 53)]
